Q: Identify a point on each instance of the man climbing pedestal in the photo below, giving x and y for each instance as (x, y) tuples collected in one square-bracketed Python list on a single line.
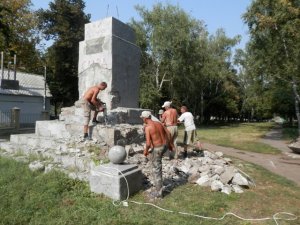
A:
[(91, 103)]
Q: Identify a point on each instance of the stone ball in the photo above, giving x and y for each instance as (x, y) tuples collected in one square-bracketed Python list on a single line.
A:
[(117, 154)]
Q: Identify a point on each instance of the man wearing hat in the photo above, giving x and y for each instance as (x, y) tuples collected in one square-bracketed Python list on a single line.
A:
[(157, 140), (160, 112), (169, 119)]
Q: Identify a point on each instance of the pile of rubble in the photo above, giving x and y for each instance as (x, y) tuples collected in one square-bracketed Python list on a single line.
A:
[(76, 158), (203, 168)]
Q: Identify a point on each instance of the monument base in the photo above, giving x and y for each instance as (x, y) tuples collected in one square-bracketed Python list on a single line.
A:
[(117, 181)]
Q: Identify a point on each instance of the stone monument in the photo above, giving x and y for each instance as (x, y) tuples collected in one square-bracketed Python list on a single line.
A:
[(108, 53)]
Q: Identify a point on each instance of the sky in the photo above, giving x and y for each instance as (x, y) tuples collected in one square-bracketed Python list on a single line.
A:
[(216, 14)]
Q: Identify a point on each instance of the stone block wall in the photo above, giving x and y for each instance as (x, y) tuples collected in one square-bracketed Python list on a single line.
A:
[(109, 54)]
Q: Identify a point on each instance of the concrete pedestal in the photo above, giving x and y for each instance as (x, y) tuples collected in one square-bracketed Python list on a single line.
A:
[(109, 179)]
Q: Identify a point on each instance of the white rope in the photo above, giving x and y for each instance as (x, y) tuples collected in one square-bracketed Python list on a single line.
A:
[(275, 217)]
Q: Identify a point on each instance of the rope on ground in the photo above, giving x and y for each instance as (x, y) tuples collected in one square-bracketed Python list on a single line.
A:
[(275, 217)]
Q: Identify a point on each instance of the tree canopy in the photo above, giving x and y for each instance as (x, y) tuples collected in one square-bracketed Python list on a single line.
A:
[(273, 52), (63, 23), (182, 62), (19, 34)]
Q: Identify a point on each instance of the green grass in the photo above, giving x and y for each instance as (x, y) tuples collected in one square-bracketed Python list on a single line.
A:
[(243, 136), (35, 198), (290, 132)]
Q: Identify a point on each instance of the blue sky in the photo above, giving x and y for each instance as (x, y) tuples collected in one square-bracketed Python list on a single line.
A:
[(216, 14)]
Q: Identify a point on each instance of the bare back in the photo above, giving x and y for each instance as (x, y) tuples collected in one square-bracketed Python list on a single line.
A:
[(155, 134), (91, 94), (169, 117)]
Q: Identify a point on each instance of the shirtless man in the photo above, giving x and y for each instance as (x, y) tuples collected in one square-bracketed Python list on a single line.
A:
[(91, 103), (169, 119), (157, 140)]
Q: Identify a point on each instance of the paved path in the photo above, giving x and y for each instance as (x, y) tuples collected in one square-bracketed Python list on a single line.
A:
[(286, 164)]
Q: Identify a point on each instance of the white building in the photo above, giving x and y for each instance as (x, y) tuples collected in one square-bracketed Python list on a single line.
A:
[(29, 95)]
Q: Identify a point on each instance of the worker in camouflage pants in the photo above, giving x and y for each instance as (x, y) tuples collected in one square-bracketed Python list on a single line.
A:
[(155, 158), (157, 140)]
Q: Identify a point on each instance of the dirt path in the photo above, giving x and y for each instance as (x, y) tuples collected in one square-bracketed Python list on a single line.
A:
[(286, 164)]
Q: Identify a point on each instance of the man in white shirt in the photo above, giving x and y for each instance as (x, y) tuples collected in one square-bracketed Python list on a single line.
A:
[(190, 129)]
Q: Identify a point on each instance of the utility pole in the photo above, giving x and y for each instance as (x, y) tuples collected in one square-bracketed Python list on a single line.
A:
[(2, 69), (45, 85)]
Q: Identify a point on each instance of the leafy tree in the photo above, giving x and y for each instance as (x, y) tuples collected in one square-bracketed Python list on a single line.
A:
[(19, 34), (181, 62), (274, 45), (166, 35), (63, 23), (221, 89)]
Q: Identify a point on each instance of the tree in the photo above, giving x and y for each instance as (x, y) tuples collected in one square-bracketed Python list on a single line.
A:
[(181, 62), (19, 34), (274, 45), (63, 23), (220, 82), (166, 36)]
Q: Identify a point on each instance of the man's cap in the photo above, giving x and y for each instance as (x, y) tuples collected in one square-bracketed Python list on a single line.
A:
[(166, 104), (160, 111), (146, 114)]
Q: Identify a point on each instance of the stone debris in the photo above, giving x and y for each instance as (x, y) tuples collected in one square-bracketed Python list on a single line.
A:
[(36, 166), (208, 169), (76, 158), (238, 179), (295, 146)]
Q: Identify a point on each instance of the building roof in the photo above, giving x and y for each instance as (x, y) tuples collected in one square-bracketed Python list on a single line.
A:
[(30, 84)]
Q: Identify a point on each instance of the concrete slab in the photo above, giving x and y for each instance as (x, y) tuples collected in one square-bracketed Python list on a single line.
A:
[(117, 181)]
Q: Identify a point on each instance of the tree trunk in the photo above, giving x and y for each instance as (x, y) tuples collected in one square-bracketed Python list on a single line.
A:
[(297, 114), (201, 108), (296, 104)]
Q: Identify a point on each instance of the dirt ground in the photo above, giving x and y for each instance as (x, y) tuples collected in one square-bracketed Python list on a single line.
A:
[(286, 164)]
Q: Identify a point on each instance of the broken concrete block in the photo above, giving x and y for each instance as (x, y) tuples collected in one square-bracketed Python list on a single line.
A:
[(216, 185), (203, 181), (227, 175), (240, 180)]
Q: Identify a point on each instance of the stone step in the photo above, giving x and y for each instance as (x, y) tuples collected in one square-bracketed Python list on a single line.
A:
[(72, 119), (52, 128), (8, 146), (35, 141)]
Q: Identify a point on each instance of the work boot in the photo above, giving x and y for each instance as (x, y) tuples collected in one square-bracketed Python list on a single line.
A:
[(185, 154), (94, 121), (85, 137), (155, 195)]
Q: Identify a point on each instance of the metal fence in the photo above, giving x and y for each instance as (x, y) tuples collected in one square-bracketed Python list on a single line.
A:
[(26, 120), (5, 119)]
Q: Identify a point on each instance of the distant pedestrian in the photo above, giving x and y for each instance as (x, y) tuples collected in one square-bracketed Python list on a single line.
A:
[(190, 129)]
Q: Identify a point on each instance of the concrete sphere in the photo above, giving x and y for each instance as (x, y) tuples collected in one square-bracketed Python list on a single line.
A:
[(117, 154)]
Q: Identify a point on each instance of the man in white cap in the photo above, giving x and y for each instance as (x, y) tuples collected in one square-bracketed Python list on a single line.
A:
[(157, 140), (160, 112), (169, 119)]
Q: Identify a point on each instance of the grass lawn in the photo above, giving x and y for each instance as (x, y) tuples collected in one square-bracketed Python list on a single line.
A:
[(35, 198), (243, 136), (290, 132)]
